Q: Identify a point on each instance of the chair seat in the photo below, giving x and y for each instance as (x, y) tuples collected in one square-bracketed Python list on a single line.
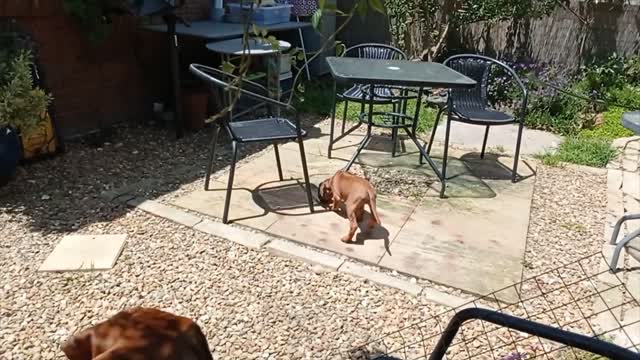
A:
[(263, 130), (383, 94), (482, 116)]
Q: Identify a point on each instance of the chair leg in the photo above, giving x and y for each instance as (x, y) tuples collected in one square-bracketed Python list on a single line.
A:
[(365, 141), (232, 171), (212, 156), (433, 133), (305, 172), (445, 158), (275, 147), (516, 158), (484, 142), (344, 115), (333, 120), (394, 139)]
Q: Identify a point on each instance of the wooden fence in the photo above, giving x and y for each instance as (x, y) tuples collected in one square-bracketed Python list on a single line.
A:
[(561, 38)]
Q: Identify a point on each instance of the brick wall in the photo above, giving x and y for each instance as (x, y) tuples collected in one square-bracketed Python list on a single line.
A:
[(96, 85)]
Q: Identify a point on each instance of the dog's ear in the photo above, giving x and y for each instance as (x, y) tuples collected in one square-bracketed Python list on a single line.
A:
[(78, 347)]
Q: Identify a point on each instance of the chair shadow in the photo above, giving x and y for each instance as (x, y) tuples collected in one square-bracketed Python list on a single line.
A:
[(491, 168), (285, 199)]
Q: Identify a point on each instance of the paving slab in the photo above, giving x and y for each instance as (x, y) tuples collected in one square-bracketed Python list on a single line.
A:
[(474, 240), (85, 252), (380, 278), (470, 137), (325, 228), (243, 209), (473, 244), (294, 251)]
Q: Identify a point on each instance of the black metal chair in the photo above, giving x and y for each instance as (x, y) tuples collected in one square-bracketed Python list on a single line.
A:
[(271, 128), (384, 95), (472, 106)]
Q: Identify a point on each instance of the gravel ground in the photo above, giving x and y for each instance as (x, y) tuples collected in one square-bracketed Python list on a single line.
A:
[(250, 304)]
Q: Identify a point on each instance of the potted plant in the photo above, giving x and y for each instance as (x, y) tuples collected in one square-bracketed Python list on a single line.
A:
[(21, 107)]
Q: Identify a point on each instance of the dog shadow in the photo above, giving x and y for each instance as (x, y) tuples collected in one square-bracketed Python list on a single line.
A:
[(379, 232)]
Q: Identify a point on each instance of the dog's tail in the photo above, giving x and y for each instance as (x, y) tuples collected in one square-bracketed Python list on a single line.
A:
[(372, 205)]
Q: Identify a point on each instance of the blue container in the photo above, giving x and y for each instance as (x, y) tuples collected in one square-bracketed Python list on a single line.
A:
[(217, 15), (263, 15), (9, 154)]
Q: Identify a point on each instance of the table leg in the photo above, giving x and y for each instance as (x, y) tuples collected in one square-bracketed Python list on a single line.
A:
[(367, 137), (174, 48)]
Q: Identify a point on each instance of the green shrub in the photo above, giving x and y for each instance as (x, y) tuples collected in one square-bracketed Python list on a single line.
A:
[(582, 150), (610, 128), (21, 105), (559, 114), (603, 75), (627, 95)]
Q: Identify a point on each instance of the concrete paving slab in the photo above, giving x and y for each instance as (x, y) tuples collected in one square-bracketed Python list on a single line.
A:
[(291, 250), (503, 137), (85, 252), (325, 228), (243, 208), (472, 244), (460, 241)]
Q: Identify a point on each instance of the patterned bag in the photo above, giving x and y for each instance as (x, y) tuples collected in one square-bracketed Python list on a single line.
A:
[(303, 7)]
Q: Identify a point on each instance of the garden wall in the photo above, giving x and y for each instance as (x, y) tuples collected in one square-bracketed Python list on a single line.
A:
[(95, 86), (561, 38)]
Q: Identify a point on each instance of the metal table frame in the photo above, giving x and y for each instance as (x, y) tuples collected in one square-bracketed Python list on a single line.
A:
[(364, 74), (232, 47), (207, 30)]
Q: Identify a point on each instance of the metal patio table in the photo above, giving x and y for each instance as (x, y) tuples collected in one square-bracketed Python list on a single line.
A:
[(400, 73), (255, 47), (208, 30)]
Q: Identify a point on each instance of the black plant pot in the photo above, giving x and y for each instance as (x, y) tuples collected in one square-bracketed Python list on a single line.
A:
[(9, 154)]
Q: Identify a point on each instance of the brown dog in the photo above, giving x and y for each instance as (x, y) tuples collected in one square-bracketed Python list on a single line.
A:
[(355, 192), (139, 334)]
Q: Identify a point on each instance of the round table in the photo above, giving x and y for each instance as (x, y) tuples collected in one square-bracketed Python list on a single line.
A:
[(256, 47)]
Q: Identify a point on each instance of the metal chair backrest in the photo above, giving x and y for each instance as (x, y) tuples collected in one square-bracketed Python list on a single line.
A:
[(478, 68), (375, 51), (232, 86)]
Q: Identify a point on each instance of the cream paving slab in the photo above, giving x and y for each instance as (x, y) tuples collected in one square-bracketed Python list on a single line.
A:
[(85, 252), (473, 244), (325, 228)]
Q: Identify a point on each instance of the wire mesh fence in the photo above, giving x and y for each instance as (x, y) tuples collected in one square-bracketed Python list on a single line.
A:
[(589, 308)]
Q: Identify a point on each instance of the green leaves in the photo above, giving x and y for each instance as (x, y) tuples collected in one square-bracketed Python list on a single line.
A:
[(21, 105), (377, 5), (228, 67), (316, 18)]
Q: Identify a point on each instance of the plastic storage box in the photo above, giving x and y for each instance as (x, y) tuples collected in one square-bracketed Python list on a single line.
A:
[(263, 15)]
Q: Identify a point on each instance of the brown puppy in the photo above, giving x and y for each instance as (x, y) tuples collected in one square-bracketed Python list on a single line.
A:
[(139, 334), (355, 192)]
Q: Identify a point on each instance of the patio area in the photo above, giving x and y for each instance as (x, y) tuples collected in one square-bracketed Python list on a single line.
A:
[(474, 240)]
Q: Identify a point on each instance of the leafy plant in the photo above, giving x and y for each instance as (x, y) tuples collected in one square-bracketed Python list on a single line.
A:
[(610, 128), (600, 77), (21, 105), (581, 150)]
